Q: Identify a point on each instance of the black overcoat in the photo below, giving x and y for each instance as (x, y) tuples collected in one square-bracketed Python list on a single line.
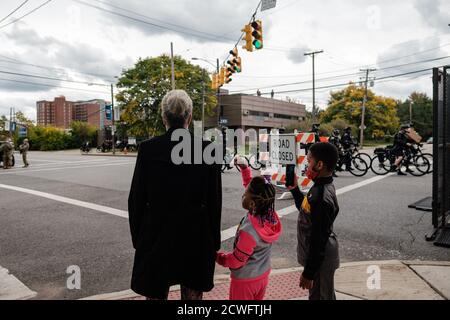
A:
[(175, 219)]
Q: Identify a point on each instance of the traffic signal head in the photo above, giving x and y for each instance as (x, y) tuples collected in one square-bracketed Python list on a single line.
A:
[(222, 76), (257, 34), (215, 81), (234, 52), (248, 38), (238, 65)]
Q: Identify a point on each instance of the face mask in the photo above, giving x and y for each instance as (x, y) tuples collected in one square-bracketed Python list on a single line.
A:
[(311, 173)]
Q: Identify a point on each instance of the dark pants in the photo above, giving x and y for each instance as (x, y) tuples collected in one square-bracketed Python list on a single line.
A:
[(186, 294), (323, 286)]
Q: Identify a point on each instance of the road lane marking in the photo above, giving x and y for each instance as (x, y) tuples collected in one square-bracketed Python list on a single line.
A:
[(231, 232), (13, 171), (225, 234), (78, 203), (57, 164)]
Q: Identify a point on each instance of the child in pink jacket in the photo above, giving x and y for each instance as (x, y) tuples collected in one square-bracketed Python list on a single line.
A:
[(250, 260)]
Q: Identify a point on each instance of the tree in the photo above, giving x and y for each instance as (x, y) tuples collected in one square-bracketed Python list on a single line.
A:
[(22, 119), (422, 113), (381, 112), (144, 86), (82, 132)]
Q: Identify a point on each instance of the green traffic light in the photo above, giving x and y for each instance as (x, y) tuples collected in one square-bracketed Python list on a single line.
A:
[(257, 44)]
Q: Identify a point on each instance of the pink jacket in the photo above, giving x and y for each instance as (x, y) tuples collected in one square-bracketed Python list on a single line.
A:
[(250, 259)]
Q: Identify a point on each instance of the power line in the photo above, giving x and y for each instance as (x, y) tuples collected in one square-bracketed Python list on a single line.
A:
[(347, 83), (15, 61), (52, 86), (50, 78), (351, 74), (146, 22), (25, 15), (158, 20), (14, 11)]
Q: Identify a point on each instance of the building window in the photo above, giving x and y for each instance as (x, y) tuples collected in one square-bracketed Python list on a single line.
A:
[(285, 116), (258, 114)]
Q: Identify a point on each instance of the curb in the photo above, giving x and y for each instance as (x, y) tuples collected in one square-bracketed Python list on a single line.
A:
[(223, 278), (110, 155)]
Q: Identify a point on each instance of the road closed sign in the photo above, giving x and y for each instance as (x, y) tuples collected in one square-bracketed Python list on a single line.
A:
[(282, 149)]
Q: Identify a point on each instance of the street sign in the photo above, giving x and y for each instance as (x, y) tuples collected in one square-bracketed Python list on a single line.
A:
[(268, 4), (361, 128), (132, 141), (108, 112), (282, 149), (22, 131), (7, 126)]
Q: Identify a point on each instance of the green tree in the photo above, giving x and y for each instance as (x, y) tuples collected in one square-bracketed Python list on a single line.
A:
[(381, 112), (144, 86), (82, 132), (422, 113)]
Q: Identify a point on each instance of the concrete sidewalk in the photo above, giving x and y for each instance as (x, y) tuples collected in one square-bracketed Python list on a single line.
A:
[(372, 280)]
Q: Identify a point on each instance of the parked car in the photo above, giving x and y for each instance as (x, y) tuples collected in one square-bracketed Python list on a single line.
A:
[(430, 140)]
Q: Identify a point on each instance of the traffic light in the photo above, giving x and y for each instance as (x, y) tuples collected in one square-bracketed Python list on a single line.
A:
[(248, 38), (215, 81), (257, 34), (235, 62), (238, 65), (228, 73), (222, 76)]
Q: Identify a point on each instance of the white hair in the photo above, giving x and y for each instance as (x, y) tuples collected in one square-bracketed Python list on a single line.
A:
[(176, 108)]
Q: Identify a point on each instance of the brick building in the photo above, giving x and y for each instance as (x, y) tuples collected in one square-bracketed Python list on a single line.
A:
[(60, 113)]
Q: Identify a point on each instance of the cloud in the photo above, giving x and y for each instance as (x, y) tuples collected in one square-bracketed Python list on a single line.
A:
[(93, 63), (297, 54), (433, 14), (203, 21), (404, 53)]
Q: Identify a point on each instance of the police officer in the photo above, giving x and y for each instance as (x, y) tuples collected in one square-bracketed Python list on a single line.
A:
[(347, 139), (400, 143), (24, 147)]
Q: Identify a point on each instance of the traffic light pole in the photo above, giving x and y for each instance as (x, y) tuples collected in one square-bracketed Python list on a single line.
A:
[(313, 55), (219, 106)]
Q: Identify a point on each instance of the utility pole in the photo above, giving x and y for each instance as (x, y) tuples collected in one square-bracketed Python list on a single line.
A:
[(173, 66), (363, 113), (113, 131), (410, 112), (313, 55)]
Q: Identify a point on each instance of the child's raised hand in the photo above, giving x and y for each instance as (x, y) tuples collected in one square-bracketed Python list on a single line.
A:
[(241, 162)]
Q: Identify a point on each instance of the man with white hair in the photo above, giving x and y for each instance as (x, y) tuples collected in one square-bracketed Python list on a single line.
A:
[(174, 211)]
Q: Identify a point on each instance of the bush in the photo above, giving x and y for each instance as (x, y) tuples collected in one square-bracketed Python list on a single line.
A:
[(48, 139)]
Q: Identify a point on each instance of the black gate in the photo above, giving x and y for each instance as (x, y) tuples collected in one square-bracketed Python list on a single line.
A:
[(441, 151)]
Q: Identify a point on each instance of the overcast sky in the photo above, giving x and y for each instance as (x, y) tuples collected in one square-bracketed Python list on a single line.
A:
[(69, 40)]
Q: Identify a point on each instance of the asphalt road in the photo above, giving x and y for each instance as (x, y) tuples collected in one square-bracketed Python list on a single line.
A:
[(40, 237)]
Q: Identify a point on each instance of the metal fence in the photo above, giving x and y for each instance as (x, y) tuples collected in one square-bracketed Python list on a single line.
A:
[(441, 147)]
